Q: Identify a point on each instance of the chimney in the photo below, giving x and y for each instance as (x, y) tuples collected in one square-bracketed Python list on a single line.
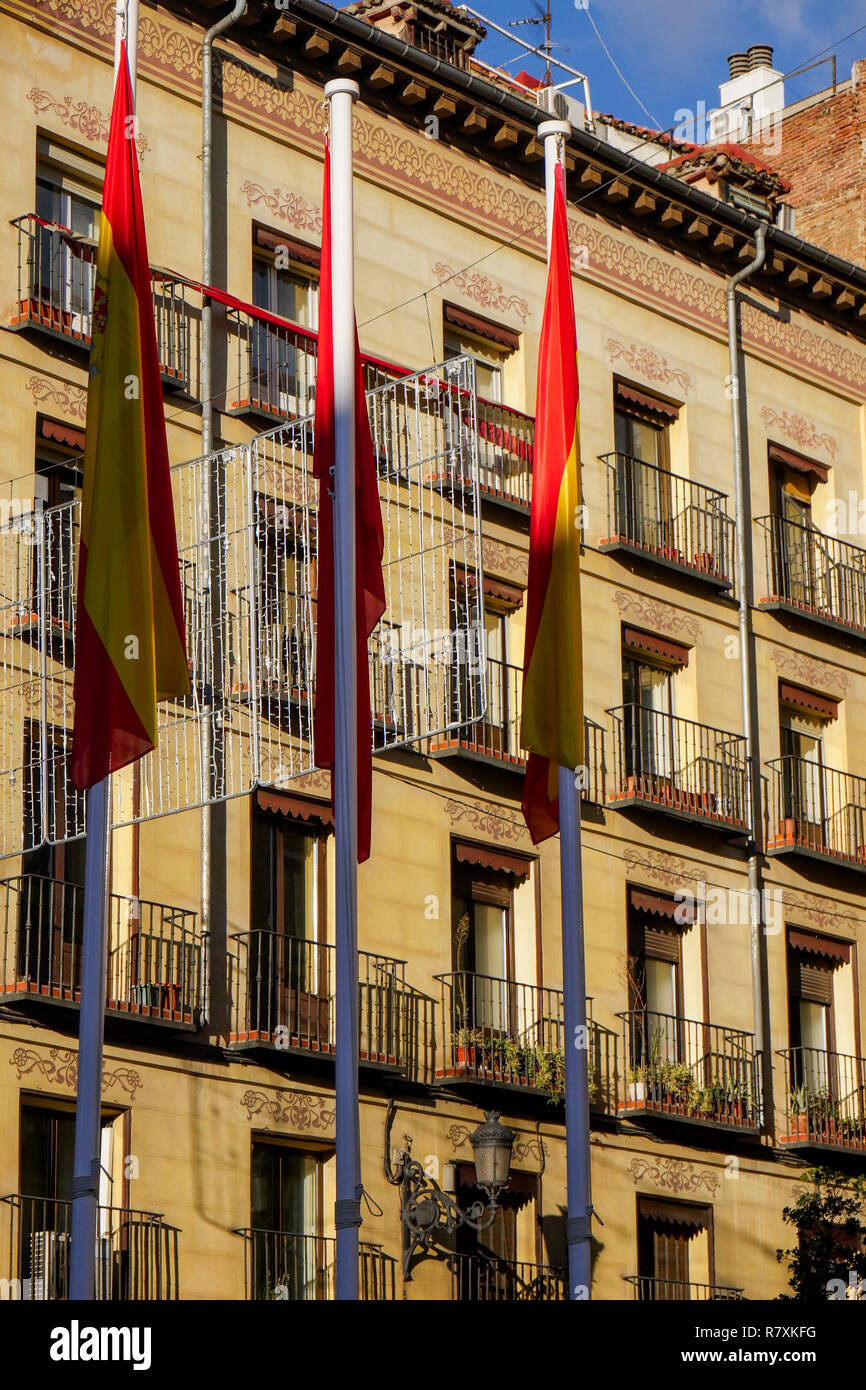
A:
[(760, 55), (737, 63)]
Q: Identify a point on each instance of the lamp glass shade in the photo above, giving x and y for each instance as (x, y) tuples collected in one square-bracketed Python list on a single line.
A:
[(492, 1143)]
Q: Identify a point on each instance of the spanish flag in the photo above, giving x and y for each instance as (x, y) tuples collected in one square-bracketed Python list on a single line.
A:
[(552, 722), (369, 548), (130, 648)]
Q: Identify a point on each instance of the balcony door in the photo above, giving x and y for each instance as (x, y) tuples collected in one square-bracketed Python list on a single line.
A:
[(655, 991), (648, 727), (810, 1015), (288, 967), (47, 1144), (288, 1254), (282, 373), (803, 779), (643, 488), (803, 565), (674, 1246), (497, 717), (483, 954), (65, 271)]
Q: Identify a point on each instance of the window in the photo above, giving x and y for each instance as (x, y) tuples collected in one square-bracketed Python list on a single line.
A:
[(288, 1254), (488, 1265), (647, 692), (47, 1143), (801, 735), (58, 466), (488, 363), (286, 577), (483, 884), (674, 1249), (288, 966), (654, 979), (810, 1017), (804, 566), (283, 362), (644, 507), (68, 192)]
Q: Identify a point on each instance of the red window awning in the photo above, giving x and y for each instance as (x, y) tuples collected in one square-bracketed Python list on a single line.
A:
[(297, 250), (481, 327), (626, 394), (59, 433), (812, 942), (789, 458), (810, 700), (494, 860), (315, 813), (673, 1213), (660, 647)]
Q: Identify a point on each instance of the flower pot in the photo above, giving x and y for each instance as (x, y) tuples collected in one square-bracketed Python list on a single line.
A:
[(705, 562), (637, 1091)]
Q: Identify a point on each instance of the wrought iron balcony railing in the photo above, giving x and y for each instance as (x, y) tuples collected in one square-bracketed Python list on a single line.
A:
[(136, 1251), (156, 956), (825, 1099), (816, 810), (282, 1266), (503, 1033), (671, 520), (646, 1288), (689, 1070), (817, 576), (282, 992), (487, 1279), (56, 278), (679, 767), (506, 441)]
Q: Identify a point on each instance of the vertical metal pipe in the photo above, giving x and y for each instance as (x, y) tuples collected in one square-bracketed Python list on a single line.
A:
[(94, 946), (748, 679), (577, 1160), (341, 94), (209, 482)]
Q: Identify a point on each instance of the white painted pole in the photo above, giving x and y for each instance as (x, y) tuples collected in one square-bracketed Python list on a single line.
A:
[(94, 946), (341, 94), (578, 1164)]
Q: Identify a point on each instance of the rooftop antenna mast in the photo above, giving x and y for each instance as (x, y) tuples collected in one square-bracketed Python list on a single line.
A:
[(545, 17)]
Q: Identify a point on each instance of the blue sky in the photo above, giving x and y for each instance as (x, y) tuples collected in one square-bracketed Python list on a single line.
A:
[(673, 52)]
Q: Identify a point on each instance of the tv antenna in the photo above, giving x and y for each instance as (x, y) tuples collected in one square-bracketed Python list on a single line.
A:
[(543, 16)]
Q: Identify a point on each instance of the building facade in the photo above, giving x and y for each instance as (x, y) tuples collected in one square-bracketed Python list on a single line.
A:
[(218, 1115)]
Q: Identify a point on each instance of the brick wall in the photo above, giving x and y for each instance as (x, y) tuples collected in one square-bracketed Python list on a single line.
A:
[(822, 154)]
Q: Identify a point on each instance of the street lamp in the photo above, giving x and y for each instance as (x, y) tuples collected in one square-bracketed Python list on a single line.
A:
[(425, 1210)]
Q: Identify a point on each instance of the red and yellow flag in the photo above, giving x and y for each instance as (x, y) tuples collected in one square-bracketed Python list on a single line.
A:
[(130, 648), (552, 723), (369, 547)]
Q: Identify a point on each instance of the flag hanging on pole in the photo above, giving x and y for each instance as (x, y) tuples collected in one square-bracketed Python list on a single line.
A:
[(130, 645), (369, 545), (552, 719)]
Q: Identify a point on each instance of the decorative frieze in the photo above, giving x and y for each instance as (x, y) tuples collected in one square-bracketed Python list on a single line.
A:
[(301, 1110), (59, 1065)]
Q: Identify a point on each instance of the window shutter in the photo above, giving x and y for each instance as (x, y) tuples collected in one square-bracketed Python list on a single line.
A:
[(810, 981)]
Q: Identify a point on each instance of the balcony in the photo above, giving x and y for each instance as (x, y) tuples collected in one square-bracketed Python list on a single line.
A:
[(659, 516), (500, 1033), (486, 1279), (284, 1267), (813, 576), (56, 277), (282, 993), (271, 368), (816, 811), (647, 1288), (156, 966), (136, 1251), (505, 441), (676, 766), (686, 1070), (825, 1100)]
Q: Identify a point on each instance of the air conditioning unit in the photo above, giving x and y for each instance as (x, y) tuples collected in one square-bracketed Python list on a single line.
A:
[(563, 107), (49, 1265)]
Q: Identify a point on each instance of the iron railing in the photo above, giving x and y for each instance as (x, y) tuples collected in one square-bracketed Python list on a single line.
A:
[(646, 1288), (156, 964), (679, 766), (136, 1251), (489, 1279), (825, 1098), (688, 1069), (502, 1032), (271, 368), (653, 512), (56, 279), (506, 443), (282, 992), (285, 1267), (816, 575), (816, 810)]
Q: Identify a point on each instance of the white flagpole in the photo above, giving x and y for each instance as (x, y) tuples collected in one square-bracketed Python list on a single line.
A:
[(347, 1211), (578, 1165), (88, 1105)]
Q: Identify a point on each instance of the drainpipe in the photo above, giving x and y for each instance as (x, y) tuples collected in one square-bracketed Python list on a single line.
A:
[(748, 679), (210, 483)]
